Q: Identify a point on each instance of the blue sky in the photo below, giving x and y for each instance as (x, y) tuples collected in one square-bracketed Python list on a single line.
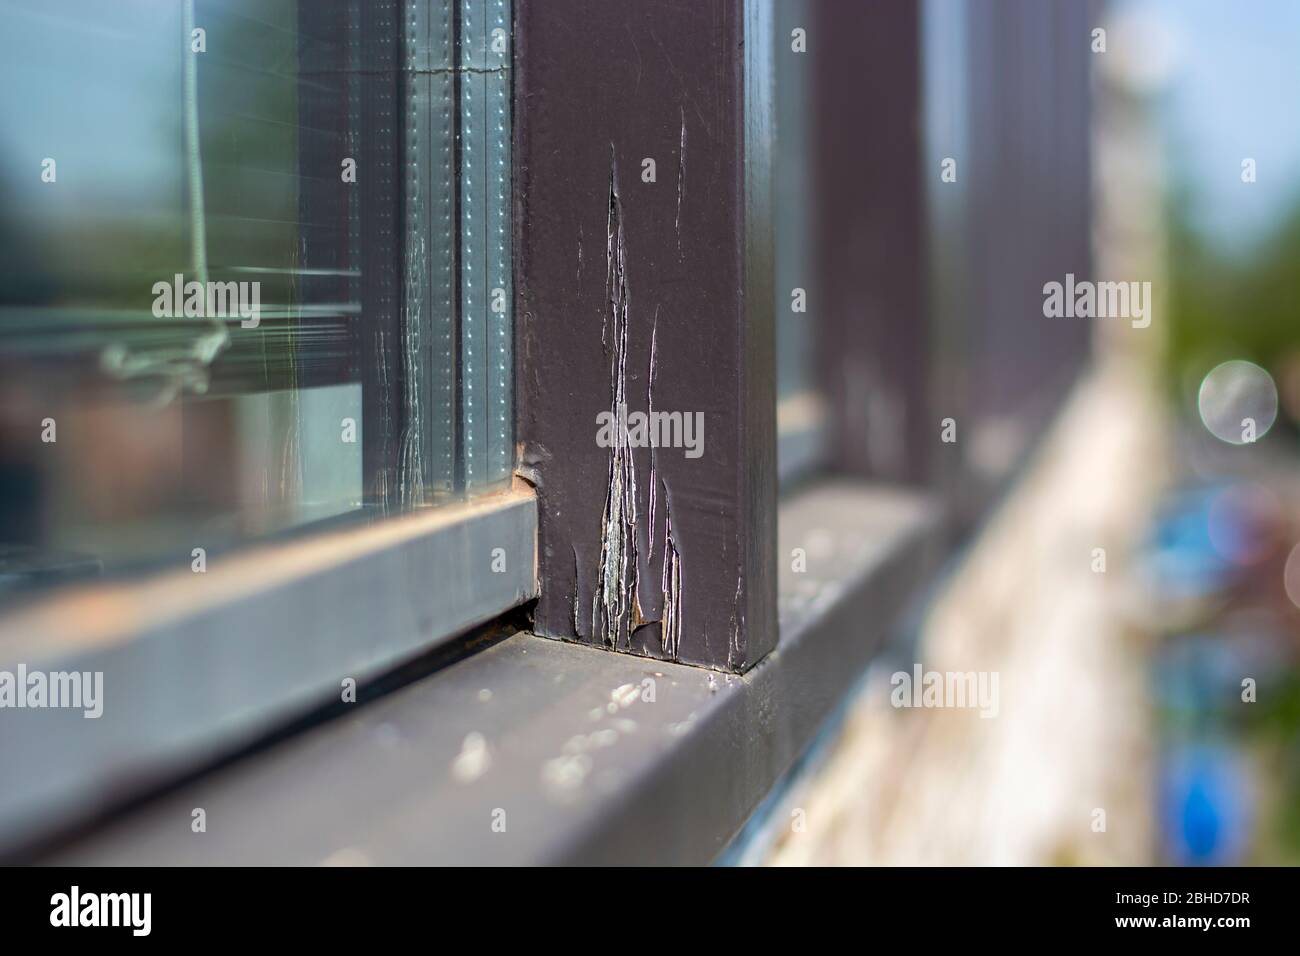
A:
[(1233, 92)]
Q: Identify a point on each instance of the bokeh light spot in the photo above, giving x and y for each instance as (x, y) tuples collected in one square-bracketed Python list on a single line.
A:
[(1238, 402)]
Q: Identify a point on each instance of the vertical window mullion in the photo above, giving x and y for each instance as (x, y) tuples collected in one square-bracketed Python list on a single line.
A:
[(645, 286), (474, 291), (497, 185)]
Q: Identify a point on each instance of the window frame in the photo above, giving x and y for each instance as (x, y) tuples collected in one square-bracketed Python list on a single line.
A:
[(657, 289), (715, 743), (198, 665)]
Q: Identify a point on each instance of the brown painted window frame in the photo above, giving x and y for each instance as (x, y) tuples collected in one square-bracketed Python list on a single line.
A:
[(656, 294)]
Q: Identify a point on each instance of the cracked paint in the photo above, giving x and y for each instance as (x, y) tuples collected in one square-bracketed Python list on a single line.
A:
[(616, 605), (615, 608), (681, 180), (670, 584), (579, 274), (577, 580), (737, 625), (640, 516), (650, 407)]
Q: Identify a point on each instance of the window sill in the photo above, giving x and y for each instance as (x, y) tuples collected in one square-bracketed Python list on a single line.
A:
[(576, 762), (196, 666)]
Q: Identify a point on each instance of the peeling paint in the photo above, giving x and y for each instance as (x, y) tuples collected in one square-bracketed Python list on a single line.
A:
[(650, 407), (681, 180), (670, 584), (579, 276), (616, 605), (737, 625), (613, 600), (577, 588), (617, 602), (713, 329)]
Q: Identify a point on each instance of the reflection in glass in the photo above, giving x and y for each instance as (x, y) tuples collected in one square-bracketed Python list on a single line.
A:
[(298, 171)]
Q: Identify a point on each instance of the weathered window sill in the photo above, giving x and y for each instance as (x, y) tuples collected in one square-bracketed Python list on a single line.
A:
[(539, 751), (197, 666)]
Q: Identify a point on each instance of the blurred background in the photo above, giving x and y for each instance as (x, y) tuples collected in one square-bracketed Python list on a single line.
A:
[(1138, 588)]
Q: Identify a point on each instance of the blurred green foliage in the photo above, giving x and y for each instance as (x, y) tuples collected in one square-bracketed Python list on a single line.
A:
[(1224, 306)]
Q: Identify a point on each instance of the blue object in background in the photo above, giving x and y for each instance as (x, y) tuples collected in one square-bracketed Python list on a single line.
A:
[(1205, 806), (1179, 550)]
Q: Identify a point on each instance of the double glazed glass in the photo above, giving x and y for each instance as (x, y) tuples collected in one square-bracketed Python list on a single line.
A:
[(254, 271)]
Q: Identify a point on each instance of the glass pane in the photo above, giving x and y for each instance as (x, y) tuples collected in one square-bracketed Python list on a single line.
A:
[(801, 413), (793, 201), (254, 272)]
